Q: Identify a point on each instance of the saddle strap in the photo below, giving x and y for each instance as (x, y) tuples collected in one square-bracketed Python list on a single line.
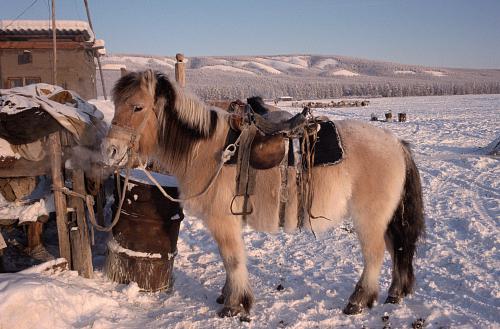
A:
[(283, 186), (245, 174)]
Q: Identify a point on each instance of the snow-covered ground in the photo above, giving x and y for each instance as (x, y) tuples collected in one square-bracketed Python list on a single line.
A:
[(457, 266)]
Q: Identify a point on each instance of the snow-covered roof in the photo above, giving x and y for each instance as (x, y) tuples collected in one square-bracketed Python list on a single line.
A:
[(34, 27)]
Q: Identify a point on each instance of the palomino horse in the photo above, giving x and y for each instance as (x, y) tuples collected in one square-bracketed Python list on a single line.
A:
[(377, 185)]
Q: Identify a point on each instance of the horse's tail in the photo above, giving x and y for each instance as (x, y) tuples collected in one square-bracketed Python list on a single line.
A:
[(406, 227)]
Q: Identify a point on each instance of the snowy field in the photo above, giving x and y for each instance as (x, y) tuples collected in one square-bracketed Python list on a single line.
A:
[(457, 266)]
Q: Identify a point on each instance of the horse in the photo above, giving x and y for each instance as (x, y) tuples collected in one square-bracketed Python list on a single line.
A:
[(377, 185)]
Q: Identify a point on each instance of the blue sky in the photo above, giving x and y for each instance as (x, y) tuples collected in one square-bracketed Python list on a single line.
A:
[(451, 33)]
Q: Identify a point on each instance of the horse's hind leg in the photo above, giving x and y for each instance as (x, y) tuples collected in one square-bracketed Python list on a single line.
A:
[(236, 295), (373, 247)]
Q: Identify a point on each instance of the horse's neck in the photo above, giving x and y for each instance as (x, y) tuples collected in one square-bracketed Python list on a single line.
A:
[(203, 160)]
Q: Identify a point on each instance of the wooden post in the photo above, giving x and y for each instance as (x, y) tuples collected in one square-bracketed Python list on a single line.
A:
[(96, 54), (180, 73), (55, 154), (54, 69), (79, 234)]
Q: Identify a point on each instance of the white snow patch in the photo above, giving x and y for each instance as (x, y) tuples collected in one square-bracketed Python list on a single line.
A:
[(6, 150), (263, 67), (278, 65), (404, 72), (115, 67), (436, 73), (26, 212), (107, 107), (138, 176), (322, 64), (226, 68), (301, 61), (345, 73), (115, 247), (142, 61)]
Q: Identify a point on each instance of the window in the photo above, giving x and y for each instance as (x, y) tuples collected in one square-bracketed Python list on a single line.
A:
[(19, 82), (14, 82), (31, 80), (25, 58)]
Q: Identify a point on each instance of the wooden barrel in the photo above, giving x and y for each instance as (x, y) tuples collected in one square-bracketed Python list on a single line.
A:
[(144, 242), (402, 117)]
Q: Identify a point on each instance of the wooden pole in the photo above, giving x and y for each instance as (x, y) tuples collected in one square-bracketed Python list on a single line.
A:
[(96, 55), (79, 234), (54, 46), (180, 73), (55, 154)]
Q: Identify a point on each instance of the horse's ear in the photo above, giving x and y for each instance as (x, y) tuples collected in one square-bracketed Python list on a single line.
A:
[(123, 71), (149, 79)]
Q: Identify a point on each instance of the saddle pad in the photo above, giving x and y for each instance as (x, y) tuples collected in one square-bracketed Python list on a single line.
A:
[(328, 149)]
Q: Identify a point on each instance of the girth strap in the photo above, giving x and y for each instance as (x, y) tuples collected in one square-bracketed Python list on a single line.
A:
[(245, 174)]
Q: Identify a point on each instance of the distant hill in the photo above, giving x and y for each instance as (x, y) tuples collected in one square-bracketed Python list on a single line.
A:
[(309, 76)]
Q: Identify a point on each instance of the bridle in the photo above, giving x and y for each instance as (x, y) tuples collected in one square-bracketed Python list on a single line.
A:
[(133, 144)]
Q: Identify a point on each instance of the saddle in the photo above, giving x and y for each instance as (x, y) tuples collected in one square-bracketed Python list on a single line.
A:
[(269, 137), (272, 128)]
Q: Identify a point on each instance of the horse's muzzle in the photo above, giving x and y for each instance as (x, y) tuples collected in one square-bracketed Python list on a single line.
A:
[(116, 147)]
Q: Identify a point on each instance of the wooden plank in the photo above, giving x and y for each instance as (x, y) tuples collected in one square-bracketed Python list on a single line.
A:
[(34, 235), (40, 45), (12, 167), (54, 146), (80, 240)]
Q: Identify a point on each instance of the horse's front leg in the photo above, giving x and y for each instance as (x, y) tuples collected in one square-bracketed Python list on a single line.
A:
[(236, 295)]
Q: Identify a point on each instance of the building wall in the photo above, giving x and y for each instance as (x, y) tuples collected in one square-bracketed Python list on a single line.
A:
[(76, 69)]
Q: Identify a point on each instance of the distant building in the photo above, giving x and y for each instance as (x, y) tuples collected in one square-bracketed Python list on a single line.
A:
[(285, 98), (26, 55)]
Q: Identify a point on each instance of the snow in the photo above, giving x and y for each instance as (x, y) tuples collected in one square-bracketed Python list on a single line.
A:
[(39, 203), (6, 150), (264, 67), (457, 264), (326, 62), (278, 64), (107, 108), (301, 61), (345, 73), (138, 176), (114, 67), (116, 248), (404, 72), (40, 25), (143, 61), (226, 68), (435, 73)]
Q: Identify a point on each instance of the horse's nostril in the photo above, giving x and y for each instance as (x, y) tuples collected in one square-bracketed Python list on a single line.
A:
[(112, 152)]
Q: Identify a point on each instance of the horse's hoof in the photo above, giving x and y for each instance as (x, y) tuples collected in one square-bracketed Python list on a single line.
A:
[(392, 300), (352, 309), (220, 299), (245, 317), (227, 312)]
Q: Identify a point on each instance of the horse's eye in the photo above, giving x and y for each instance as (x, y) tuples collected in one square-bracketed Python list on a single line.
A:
[(138, 108)]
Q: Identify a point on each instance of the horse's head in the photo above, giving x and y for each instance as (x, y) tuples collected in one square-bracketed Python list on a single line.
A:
[(134, 127), (155, 118)]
